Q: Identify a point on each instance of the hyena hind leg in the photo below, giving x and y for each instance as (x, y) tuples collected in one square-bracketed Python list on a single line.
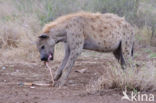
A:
[(119, 56), (127, 53)]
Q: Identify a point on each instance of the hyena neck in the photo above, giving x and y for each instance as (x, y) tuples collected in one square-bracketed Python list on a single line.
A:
[(59, 35)]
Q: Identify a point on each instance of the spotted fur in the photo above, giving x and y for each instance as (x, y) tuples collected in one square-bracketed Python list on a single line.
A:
[(92, 31)]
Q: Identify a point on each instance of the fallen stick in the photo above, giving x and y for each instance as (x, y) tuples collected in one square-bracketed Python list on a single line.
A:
[(36, 83), (39, 83)]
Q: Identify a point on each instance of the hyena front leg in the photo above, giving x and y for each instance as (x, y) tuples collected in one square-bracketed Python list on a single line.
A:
[(72, 58), (68, 67), (64, 62), (75, 47)]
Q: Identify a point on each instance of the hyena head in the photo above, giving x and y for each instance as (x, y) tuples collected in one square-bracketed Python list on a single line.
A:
[(45, 45)]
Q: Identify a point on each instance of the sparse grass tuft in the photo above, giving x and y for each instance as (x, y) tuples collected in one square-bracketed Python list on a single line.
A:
[(10, 36), (17, 38), (137, 78)]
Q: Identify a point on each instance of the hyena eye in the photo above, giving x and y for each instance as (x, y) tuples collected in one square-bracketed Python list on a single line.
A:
[(42, 47)]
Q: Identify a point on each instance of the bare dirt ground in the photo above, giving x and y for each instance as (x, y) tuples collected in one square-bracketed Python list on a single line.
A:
[(11, 91)]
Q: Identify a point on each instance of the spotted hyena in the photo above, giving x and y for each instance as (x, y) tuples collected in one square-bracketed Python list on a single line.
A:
[(92, 31)]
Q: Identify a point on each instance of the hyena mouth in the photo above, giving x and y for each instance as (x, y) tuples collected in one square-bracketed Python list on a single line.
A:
[(50, 57)]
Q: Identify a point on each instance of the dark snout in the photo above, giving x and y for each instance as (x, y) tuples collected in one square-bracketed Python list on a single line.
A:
[(46, 57)]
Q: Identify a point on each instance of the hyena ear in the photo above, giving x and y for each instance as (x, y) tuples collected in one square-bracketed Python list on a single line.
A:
[(43, 36)]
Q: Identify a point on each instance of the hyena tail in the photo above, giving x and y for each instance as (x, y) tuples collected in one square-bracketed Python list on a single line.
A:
[(132, 50), (118, 53)]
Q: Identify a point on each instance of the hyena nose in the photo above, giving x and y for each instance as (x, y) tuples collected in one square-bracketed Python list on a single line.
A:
[(44, 59)]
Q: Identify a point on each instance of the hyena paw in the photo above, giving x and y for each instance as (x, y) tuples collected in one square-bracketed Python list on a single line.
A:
[(57, 76), (59, 83)]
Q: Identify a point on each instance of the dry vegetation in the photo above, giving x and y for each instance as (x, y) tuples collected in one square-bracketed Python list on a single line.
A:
[(135, 78), (21, 23)]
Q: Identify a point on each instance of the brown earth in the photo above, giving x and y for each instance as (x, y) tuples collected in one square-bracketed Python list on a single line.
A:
[(13, 74)]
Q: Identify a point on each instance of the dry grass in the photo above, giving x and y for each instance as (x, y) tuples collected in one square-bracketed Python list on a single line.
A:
[(20, 27), (140, 78), (144, 35), (17, 38)]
